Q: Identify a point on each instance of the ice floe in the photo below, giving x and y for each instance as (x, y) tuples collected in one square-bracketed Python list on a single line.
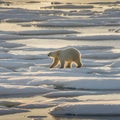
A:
[(70, 7), (46, 32), (81, 22), (10, 64), (9, 104), (107, 108), (67, 94), (4, 110), (21, 90), (47, 103)]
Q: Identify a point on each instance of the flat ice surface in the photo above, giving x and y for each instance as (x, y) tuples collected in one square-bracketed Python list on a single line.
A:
[(29, 30)]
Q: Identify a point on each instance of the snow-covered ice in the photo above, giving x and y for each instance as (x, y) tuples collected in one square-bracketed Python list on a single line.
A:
[(4, 110), (29, 32), (94, 108)]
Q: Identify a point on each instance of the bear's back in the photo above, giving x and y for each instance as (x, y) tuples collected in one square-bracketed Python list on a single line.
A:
[(70, 54), (71, 51)]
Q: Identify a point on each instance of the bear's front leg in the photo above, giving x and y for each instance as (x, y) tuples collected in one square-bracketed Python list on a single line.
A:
[(62, 64), (55, 62)]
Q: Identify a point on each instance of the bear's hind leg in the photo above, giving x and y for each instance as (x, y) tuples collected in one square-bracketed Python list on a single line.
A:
[(55, 62), (68, 65), (79, 64)]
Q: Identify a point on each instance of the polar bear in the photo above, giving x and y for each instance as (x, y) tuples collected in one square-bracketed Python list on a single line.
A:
[(66, 57)]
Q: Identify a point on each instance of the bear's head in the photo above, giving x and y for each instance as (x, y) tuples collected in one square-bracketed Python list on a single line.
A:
[(54, 54), (51, 54)]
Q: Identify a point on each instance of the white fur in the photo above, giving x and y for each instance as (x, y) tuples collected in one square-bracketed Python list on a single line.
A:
[(68, 56)]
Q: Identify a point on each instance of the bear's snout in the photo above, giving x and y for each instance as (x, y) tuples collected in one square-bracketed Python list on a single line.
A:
[(48, 54)]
